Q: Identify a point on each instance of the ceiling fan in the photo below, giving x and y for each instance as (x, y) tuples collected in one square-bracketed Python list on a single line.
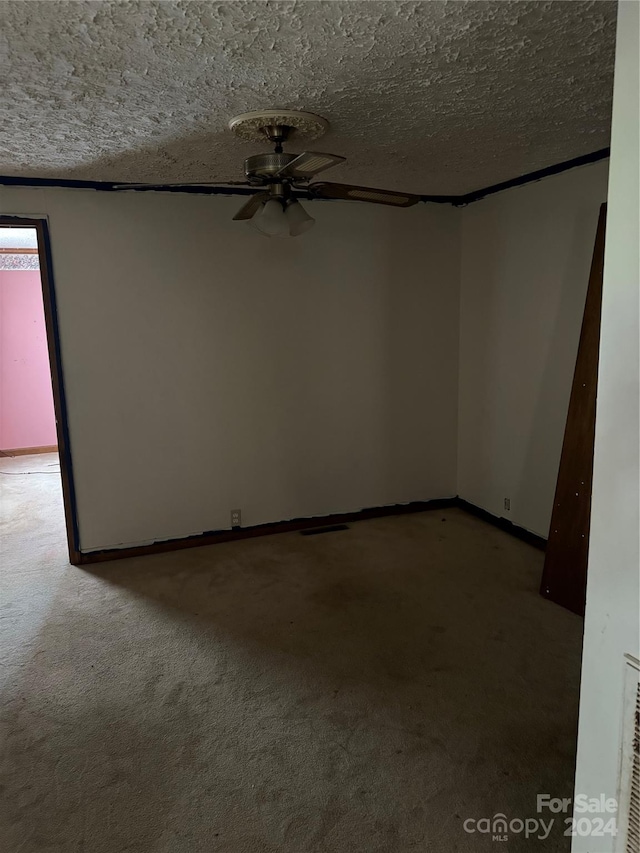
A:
[(274, 208)]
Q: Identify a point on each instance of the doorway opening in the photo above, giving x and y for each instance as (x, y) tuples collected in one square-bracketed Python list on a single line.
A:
[(27, 418), (35, 465)]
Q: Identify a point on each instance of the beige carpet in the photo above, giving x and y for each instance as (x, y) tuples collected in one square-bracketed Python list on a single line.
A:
[(355, 692)]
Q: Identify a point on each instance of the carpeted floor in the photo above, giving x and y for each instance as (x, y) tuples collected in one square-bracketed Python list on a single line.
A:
[(362, 691)]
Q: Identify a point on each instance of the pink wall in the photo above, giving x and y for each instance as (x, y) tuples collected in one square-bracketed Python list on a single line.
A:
[(26, 400)]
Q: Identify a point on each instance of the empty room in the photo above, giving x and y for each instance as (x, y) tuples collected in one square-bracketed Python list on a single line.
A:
[(319, 472)]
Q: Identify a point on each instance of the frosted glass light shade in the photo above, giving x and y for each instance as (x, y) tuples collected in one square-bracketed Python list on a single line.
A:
[(271, 219), (298, 219)]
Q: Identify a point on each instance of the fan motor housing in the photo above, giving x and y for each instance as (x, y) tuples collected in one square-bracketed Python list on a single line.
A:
[(262, 166)]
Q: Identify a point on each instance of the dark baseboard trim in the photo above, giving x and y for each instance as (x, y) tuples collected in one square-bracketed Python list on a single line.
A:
[(504, 524), (215, 536), (455, 200)]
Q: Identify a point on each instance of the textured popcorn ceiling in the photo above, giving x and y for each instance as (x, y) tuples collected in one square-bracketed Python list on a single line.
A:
[(430, 97)]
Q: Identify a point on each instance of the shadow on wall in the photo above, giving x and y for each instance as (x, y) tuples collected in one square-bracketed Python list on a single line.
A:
[(419, 319), (347, 400), (526, 261), (540, 468)]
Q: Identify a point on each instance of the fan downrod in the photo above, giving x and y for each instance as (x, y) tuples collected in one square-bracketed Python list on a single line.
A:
[(277, 134)]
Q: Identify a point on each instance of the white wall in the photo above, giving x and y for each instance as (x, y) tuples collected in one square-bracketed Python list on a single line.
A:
[(612, 622), (526, 254), (209, 368)]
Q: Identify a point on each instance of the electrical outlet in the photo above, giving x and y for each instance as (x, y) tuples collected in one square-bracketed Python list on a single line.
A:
[(507, 504), (236, 518)]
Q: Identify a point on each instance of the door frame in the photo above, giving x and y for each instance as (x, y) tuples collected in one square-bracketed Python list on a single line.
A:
[(41, 227)]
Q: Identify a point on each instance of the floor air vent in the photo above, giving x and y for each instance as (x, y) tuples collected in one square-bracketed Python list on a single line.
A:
[(633, 834), (331, 528), (629, 787)]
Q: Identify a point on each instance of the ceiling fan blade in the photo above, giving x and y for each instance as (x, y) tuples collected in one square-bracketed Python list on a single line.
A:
[(249, 208), (349, 192), (182, 184), (308, 164)]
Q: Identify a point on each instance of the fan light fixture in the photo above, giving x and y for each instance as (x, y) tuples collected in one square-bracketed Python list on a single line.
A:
[(274, 220), (270, 219), (298, 218), (273, 179)]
